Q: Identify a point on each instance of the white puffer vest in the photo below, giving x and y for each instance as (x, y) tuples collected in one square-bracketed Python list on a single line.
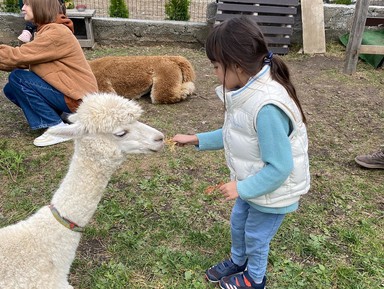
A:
[(241, 142)]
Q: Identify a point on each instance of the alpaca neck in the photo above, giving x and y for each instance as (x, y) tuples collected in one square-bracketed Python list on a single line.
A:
[(82, 187)]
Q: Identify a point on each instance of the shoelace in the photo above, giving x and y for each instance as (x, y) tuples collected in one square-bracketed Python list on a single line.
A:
[(379, 154), (224, 264)]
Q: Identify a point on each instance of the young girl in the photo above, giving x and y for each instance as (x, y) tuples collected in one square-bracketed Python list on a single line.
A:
[(58, 76), (265, 142)]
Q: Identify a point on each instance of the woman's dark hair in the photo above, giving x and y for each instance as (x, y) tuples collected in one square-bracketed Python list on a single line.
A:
[(44, 11), (239, 42)]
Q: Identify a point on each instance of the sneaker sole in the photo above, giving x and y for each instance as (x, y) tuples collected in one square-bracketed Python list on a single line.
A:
[(209, 280), (45, 144), (226, 288), (369, 166), (265, 287)]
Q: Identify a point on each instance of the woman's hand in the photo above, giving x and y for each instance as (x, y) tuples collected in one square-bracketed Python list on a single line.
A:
[(229, 190)]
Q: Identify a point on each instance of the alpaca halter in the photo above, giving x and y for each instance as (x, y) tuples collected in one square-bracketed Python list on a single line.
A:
[(65, 222)]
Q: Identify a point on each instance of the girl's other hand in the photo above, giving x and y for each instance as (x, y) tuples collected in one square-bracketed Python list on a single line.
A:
[(185, 139), (229, 190)]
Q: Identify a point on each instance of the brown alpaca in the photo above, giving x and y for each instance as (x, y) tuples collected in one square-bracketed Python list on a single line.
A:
[(169, 79)]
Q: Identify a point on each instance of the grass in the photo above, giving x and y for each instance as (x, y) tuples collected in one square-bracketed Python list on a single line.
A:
[(158, 226)]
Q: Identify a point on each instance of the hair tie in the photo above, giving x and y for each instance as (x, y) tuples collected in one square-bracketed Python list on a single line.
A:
[(268, 58)]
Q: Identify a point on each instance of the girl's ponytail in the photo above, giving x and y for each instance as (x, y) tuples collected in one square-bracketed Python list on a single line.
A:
[(280, 73)]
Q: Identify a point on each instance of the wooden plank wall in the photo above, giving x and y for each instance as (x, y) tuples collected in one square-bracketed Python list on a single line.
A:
[(275, 17)]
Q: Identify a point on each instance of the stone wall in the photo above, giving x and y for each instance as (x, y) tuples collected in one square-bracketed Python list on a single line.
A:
[(114, 31), (11, 26)]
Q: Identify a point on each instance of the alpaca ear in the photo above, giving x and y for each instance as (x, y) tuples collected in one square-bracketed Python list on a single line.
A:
[(72, 130)]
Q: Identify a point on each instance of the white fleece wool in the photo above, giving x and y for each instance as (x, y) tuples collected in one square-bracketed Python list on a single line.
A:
[(37, 253)]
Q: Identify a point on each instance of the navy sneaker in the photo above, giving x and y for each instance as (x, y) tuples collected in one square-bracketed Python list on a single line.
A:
[(223, 269), (241, 281)]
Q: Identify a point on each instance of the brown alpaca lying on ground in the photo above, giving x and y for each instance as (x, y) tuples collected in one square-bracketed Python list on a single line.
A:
[(169, 79)]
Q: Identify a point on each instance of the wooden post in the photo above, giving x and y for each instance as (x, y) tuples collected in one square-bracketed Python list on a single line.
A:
[(312, 12), (355, 36)]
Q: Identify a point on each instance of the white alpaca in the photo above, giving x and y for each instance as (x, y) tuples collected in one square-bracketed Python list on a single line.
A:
[(37, 253)]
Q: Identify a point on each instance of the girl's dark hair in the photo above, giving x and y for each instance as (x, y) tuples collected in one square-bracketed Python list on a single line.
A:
[(44, 11), (239, 42)]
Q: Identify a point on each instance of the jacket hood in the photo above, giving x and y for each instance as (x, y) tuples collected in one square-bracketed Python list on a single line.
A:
[(62, 19)]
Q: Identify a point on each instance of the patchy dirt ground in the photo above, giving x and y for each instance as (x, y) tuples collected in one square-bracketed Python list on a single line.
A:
[(345, 118)]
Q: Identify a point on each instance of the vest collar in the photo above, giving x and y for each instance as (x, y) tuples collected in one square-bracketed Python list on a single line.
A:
[(239, 96)]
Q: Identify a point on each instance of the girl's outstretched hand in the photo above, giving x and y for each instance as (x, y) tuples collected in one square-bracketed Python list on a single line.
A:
[(229, 190), (185, 139)]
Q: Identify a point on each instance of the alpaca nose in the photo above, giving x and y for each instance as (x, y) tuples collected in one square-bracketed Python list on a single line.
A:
[(159, 137), (158, 142)]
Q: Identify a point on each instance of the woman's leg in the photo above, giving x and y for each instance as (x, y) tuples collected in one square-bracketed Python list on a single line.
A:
[(41, 103), (239, 217), (259, 231)]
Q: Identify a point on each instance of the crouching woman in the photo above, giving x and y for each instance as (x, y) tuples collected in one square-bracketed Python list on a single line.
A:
[(50, 75)]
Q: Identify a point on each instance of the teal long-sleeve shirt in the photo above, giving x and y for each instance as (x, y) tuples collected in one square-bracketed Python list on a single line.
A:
[(273, 129)]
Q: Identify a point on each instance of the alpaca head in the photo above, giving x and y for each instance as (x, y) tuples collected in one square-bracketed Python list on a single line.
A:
[(106, 126)]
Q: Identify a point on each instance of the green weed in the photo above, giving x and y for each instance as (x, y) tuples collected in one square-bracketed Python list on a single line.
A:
[(11, 162)]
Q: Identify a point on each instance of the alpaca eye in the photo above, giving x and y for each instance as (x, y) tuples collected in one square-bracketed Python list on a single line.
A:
[(121, 133)]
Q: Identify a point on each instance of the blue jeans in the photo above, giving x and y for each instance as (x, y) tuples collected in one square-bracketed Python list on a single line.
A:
[(41, 103), (251, 232)]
